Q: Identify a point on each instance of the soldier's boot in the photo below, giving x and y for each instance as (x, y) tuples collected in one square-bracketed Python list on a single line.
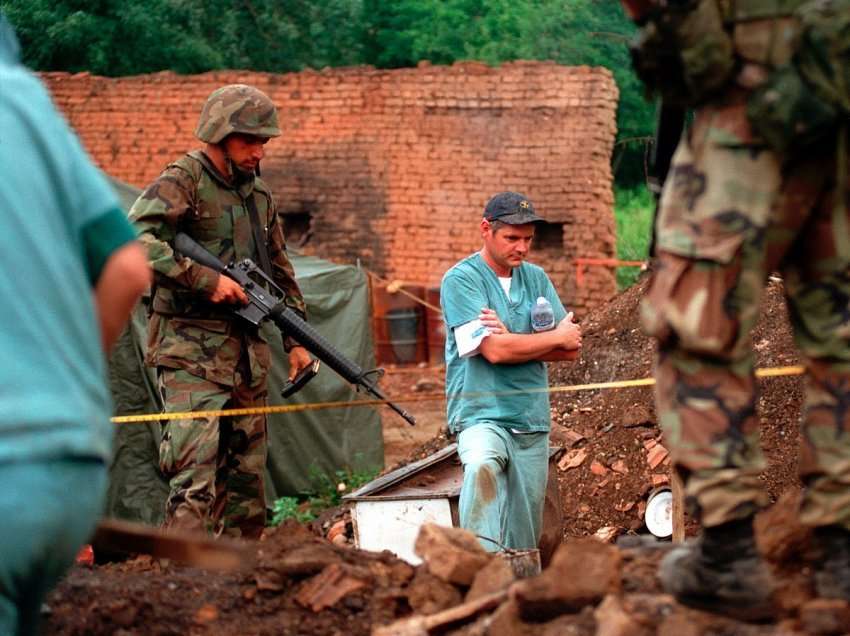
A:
[(721, 572), (832, 574)]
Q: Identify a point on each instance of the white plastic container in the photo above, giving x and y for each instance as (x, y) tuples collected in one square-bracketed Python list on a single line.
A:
[(659, 512)]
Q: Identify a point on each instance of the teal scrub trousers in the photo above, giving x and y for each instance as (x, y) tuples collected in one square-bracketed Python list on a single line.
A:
[(48, 510), (504, 485)]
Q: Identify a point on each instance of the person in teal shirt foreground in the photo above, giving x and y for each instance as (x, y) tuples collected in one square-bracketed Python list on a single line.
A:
[(496, 380), (70, 273)]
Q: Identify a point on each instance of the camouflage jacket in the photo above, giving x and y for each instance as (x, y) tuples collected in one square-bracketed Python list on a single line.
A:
[(186, 331)]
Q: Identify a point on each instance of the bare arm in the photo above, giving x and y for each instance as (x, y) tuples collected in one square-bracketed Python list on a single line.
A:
[(561, 355), (514, 348), (124, 277)]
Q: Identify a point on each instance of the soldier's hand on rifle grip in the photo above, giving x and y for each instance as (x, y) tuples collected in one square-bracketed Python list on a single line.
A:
[(228, 291)]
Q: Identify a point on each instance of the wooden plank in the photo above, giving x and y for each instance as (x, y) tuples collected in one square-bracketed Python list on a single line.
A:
[(437, 623), (115, 535), (678, 490)]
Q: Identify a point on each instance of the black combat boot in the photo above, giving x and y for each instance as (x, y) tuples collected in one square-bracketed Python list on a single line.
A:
[(832, 573), (721, 572)]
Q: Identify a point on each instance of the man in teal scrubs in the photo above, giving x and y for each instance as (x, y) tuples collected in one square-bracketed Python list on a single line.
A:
[(70, 273), (496, 380)]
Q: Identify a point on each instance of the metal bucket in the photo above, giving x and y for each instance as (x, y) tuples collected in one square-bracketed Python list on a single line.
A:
[(524, 563), (404, 330)]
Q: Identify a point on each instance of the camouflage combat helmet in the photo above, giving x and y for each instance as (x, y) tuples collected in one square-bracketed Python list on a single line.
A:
[(237, 108)]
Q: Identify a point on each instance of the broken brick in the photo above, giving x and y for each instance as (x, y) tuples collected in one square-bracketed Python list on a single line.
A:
[(571, 437), (613, 620), (659, 480), (573, 459), (582, 572), (207, 613), (656, 455), (597, 468), (427, 594), (451, 554), (329, 586), (493, 577)]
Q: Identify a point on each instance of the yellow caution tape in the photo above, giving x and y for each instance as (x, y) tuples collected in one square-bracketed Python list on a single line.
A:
[(428, 397)]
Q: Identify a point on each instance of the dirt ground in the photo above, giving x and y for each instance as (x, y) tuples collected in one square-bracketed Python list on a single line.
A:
[(613, 458)]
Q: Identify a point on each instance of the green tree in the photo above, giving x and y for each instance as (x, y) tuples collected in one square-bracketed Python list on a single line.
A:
[(127, 37), (571, 32), (597, 33), (109, 37)]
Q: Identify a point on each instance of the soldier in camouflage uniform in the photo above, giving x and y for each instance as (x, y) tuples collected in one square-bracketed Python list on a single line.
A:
[(733, 210), (206, 358)]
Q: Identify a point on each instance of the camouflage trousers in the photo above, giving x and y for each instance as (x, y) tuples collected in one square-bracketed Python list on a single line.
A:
[(214, 464), (732, 213)]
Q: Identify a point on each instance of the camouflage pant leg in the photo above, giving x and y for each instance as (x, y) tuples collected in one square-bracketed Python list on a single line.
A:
[(215, 465), (240, 488), (188, 453), (702, 306), (817, 281)]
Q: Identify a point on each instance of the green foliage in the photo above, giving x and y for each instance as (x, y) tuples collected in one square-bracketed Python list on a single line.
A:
[(634, 211), (127, 37), (289, 508), (110, 37), (327, 493)]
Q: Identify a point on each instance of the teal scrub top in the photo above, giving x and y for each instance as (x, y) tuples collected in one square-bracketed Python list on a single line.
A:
[(467, 288), (61, 219)]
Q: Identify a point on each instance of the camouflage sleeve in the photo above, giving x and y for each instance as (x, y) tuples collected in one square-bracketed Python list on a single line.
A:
[(283, 272), (157, 214)]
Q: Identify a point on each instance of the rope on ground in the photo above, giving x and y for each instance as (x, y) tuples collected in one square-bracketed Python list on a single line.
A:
[(427, 397)]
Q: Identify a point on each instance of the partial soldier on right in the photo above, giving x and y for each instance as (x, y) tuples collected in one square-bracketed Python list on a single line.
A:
[(758, 183)]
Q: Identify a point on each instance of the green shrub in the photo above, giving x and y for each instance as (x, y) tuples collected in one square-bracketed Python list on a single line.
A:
[(289, 508), (634, 212), (328, 490)]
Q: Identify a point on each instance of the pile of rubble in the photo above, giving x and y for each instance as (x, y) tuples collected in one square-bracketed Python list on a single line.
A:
[(302, 584), (595, 588)]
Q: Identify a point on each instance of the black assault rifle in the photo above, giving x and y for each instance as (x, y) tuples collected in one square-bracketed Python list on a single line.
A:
[(265, 301)]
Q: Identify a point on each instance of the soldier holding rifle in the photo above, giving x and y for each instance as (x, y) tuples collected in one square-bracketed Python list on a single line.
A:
[(206, 357)]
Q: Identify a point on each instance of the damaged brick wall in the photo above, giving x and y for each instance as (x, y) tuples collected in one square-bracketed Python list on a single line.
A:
[(393, 167)]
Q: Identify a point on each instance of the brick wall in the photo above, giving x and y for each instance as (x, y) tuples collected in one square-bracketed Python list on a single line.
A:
[(394, 167)]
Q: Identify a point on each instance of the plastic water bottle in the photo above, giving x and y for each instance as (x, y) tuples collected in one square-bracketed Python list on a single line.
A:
[(542, 316)]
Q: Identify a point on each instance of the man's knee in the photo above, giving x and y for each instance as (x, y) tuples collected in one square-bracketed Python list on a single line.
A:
[(483, 476)]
